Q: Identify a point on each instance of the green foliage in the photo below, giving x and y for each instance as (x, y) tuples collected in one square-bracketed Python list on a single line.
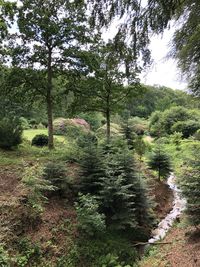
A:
[(176, 139), (111, 260), (122, 194), (138, 125), (56, 174), (129, 135), (24, 123), (10, 133), (160, 162), (187, 128), (108, 248), (92, 169), (177, 119), (93, 118), (60, 126), (35, 187), (185, 38), (159, 98), (29, 254), (90, 221), (4, 258), (33, 122), (197, 135), (190, 185), (40, 140), (140, 146), (86, 139), (115, 130), (69, 127)]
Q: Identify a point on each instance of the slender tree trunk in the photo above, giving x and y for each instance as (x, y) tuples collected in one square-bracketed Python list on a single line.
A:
[(108, 115), (159, 174), (108, 124), (49, 101)]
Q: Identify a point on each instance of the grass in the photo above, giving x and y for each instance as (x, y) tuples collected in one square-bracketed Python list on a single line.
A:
[(64, 149), (29, 134)]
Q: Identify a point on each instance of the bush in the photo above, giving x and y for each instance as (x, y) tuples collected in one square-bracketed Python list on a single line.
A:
[(24, 123), (10, 133), (187, 128), (70, 127), (40, 140), (197, 135), (90, 221), (56, 173), (35, 187), (176, 139), (115, 130), (60, 126), (94, 119), (40, 126), (4, 257), (87, 139), (30, 254), (96, 252), (33, 123), (175, 119), (138, 125)]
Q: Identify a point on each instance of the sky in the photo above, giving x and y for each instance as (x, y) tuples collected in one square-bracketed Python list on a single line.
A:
[(163, 71)]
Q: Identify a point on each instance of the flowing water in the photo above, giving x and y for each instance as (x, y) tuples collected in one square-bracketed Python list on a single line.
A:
[(179, 205)]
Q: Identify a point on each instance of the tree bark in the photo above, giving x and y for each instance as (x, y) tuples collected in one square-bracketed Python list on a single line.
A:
[(49, 101), (108, 124)]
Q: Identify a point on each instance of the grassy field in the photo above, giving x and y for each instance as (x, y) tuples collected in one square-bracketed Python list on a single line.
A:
[(25, 152), (29, 134)]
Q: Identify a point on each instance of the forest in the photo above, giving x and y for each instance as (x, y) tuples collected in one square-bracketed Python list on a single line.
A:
[(97, 168)]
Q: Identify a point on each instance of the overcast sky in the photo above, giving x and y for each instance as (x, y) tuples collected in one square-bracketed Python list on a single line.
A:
[(163, 71)]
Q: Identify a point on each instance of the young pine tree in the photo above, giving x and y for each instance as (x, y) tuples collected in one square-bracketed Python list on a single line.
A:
[(160, 162), (135, 179), (190, 185), (122, 195), (116, 195), (129, 135), (92, 170)]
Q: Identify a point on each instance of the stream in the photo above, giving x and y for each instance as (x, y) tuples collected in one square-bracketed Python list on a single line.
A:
[(179, 205)]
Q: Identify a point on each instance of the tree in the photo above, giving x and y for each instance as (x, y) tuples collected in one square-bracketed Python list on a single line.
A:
[(122, 194), (92, 170), (112, 64), (186, 42), (49, 40), (177, 119), (129, 135), (6, 18), (160, 162), (190, 185)]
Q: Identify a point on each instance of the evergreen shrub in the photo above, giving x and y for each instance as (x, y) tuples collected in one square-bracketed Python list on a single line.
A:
[(40, 140), (90, 221), (10, 133), (56, 173)]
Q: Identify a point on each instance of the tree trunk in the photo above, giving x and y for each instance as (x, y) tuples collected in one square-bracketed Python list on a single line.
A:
[(108, 124), (159, 175), (49, 101), (107, 88)]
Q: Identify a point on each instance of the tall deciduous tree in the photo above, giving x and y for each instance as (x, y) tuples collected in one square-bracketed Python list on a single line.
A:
[(112, 64), (50, 36)]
